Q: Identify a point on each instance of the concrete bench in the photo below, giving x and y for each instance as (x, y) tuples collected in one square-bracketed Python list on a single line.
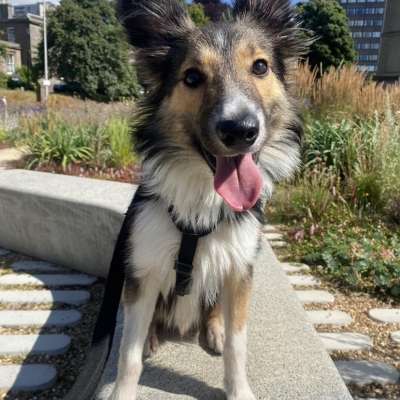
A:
[(74, 222)]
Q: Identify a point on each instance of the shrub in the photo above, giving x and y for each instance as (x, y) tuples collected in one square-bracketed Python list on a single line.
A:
[(3, 80), (118, 136), (53, 141), (344, 92)]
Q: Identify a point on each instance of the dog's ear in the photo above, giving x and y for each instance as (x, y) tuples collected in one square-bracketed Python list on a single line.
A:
[(277, 18), (153, 24)]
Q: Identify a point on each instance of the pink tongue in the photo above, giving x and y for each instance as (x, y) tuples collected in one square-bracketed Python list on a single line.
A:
[(238, 181)]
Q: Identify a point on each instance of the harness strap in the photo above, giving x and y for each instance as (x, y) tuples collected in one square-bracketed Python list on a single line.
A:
[(184, 264)]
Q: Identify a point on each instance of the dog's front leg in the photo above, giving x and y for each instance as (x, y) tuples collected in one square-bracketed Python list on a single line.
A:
[(235, 302), (139, 305)]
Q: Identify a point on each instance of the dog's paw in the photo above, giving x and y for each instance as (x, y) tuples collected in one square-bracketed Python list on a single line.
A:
[(243, 394), (151, 345), (215, 336)]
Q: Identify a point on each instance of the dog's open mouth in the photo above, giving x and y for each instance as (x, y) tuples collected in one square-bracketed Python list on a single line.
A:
[(237, 179)]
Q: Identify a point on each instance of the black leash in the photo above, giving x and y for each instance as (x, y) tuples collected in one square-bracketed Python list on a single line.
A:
[(103, 335)]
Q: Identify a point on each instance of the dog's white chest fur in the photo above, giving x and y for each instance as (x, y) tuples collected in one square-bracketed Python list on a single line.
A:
[(155, 244)]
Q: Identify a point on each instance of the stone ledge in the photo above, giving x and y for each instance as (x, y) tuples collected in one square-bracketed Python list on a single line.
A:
[(66, 220), (74, 222)]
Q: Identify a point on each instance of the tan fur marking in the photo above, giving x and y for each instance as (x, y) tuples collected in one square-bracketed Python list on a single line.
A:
[(269, 87), (240, 294), (215, 314), (185, 101)]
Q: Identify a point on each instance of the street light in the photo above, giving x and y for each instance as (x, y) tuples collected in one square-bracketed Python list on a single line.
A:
[(46, 81)]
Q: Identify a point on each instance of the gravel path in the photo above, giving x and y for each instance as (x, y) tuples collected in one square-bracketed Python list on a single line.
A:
[(68, 365)]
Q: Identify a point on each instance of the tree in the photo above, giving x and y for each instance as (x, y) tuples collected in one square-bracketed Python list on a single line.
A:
[(87, 46), (214, 9), (196, 12), (326, 21)]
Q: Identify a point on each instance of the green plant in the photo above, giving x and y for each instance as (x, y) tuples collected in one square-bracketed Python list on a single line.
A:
[(53, 141), (3, 80), (362, 255), (118, 136)]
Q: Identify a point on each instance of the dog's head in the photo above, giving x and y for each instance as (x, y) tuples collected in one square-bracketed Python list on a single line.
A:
[(222, 90)]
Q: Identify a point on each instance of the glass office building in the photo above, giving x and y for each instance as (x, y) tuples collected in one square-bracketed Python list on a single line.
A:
[(365, 19)]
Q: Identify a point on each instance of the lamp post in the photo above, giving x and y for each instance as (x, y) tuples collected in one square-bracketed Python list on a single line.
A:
[(46, 82)]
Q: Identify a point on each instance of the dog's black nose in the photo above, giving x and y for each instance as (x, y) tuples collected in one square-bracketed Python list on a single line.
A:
[(240, 133)]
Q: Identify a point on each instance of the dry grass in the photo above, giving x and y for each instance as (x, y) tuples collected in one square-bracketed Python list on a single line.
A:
[(345, 90)]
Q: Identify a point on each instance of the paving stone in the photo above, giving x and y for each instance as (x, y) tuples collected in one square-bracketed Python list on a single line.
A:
[(47, 280), (40, 266), (329, 317), (390, 316), (345, 341), (268, 228), (288, 267), (364, 372), (273, 236), (303, 280), (73, 297), (3, 252), (27, 377), (278, 244), (34, 344), (395, 336), (312, 296), (40, 318)]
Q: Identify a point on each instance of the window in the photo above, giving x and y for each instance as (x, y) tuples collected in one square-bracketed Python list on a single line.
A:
[(380, 10), (367, 34), (376, 34), (368, 68), (375, 46), (356, 34), (360, 11), (368, 22), (365, 46), (377, 22), (357, 46), (343, 1), (11, 34), (370, 11), (351, 11), (10, 64), (19, 10), (360, 1), (373, 57), (359, 23)]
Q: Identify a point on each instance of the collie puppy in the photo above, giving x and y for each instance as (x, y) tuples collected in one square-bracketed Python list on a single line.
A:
[(217, 126)]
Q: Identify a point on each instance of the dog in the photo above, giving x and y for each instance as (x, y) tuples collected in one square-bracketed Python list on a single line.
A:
[(219, 124)]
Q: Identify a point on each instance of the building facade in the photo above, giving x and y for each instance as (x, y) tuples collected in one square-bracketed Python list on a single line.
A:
[(34, 9), (365, 19), (389, 59), (13, 59), (25, 30)]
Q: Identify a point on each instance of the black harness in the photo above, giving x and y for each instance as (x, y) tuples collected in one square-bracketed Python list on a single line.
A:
[(184, 264), (103, 335)]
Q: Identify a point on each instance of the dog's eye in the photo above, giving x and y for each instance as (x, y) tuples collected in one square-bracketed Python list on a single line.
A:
[(193, 78), (260, 68)]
